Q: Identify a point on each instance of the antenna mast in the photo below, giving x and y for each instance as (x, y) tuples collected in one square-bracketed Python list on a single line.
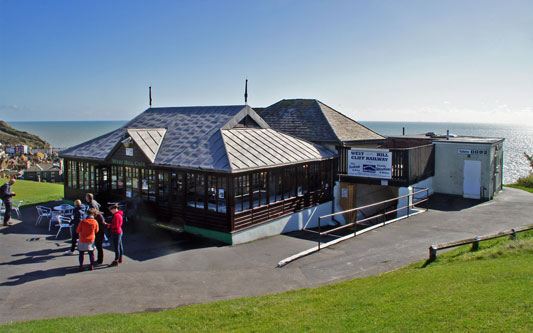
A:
[(150, 93), (246, 92)]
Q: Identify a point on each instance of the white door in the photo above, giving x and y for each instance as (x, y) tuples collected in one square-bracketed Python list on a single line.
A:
[(472, 179)]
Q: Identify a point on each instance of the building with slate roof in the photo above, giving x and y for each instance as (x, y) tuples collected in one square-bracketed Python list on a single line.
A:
[(51, 173), (314, 121), (218, 171)]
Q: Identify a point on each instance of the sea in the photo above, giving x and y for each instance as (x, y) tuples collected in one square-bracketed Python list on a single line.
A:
[(518, 138)]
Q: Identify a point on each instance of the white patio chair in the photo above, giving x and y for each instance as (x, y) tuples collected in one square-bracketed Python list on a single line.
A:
[(53, 217), (43, 212), (63, 222), (2, 209), (16, 207)]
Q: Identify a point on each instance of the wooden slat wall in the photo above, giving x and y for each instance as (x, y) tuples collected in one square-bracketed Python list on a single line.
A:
[(256, 216)]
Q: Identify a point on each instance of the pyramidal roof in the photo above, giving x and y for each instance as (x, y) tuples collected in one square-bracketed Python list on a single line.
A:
[(201, 138), (313, 120)]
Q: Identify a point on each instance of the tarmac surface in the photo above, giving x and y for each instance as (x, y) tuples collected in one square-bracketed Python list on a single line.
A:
[(163, 270)]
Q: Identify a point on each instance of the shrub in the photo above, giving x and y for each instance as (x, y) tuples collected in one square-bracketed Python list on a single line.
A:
[(526, 181)]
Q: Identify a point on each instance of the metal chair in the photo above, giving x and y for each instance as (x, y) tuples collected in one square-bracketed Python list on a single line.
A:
[(63, 222), (16, 207), (53, 217), (43, 212)]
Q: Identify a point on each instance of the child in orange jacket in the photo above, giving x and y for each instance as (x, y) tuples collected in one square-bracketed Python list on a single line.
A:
[(87, 230)]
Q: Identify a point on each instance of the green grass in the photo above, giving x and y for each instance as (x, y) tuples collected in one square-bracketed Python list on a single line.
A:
[(524, 188), (34, 192), (486, 290)]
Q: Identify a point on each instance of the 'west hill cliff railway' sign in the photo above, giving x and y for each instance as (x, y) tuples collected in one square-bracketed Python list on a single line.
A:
[(373, 163)]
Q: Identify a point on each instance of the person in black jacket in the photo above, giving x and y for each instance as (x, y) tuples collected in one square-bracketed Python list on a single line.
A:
[(6, 194), (76, 218), (99, 239)]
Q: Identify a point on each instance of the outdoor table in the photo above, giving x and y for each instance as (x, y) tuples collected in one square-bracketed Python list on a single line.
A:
[(64, 207)]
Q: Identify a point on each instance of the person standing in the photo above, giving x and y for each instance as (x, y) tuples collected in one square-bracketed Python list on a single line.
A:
[(99, 237), (76, 218), (6, 194), (116, 233), (87, 230), (89, 199)]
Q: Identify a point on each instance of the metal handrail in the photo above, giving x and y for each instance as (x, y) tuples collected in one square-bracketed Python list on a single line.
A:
[(408, 207)]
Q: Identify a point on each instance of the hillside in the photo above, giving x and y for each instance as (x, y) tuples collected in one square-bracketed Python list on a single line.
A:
[(9, 135)]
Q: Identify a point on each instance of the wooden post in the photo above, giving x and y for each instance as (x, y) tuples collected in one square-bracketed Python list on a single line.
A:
[(432, 253), (475, 245)]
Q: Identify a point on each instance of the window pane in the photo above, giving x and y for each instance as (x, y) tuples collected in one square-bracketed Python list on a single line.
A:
[(148, 184), (222, 186), (163, 185), (177, 186), (200, 191), (259, 189), (92, 177), (212, 193), (191, 189)]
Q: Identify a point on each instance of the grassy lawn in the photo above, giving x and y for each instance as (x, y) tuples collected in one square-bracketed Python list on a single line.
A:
[(486, 290), (525, 188), (33, 192)]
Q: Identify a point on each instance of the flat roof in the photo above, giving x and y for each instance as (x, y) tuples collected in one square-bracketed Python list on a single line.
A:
[(453, 139)]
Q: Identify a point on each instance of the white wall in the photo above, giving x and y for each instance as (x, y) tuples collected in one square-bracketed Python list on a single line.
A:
[(298, 221), (449, 167), (426, 183)]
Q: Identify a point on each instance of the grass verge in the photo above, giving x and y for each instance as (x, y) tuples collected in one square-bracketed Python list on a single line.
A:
[(34, 192), (489, 289), (520, 187)]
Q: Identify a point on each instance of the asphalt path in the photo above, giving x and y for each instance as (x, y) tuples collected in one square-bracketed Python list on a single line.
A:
[(163, 270)]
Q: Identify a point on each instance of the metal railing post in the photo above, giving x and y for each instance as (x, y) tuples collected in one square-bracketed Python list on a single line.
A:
[(409, 200), (319, 233)]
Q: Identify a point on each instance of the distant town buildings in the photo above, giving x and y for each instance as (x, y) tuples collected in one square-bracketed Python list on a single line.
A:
[(23, 162)]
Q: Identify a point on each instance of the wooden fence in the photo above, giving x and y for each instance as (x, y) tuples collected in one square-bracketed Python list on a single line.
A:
[(474, 241)]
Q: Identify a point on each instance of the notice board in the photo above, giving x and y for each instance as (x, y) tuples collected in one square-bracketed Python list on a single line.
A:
[(373, 163)]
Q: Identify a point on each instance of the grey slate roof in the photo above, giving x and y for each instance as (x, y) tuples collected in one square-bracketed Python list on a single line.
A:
[(43, 167), (148, 139), (249, 148), (314, 121), (193, 138)]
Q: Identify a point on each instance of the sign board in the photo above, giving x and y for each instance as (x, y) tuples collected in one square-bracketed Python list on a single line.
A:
[(467, 151), (372, 163)]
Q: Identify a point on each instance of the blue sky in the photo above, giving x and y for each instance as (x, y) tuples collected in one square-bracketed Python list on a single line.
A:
[(448, 61)]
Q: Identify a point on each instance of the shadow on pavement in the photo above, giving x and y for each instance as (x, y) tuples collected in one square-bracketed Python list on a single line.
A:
[(152, 242), (34, 257), (449, 203), (39, 275), (145, 243)]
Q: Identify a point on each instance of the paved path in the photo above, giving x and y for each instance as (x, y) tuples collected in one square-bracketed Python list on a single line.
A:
[(163, 271)]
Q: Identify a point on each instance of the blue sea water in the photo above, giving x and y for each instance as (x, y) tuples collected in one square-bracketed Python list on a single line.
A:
[(518, 139)]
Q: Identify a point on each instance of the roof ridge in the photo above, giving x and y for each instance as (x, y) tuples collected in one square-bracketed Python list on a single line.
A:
[(319, 104), (344, 116)]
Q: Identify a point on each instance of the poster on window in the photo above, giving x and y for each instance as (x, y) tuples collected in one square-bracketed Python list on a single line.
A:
[(372, 163)]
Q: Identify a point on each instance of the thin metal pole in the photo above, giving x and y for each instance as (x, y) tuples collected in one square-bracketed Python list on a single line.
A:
[(319, 233)]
